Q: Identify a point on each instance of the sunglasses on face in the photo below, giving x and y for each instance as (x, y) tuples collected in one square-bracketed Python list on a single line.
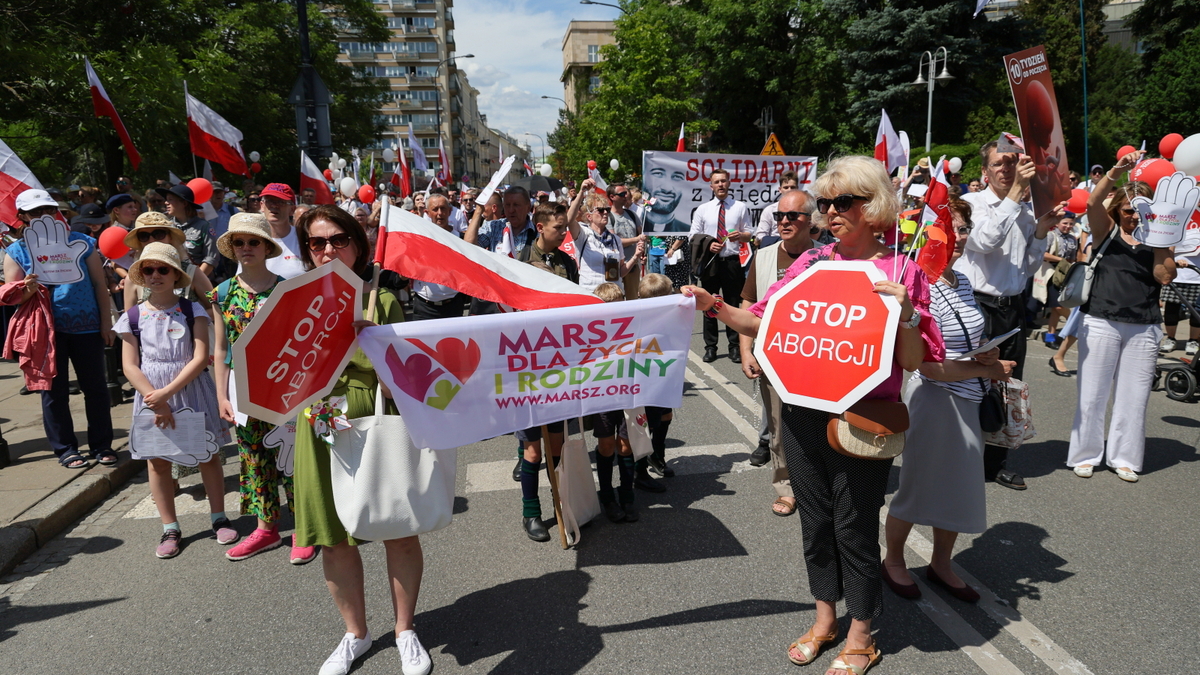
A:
[(1128, 211), (337, 241), (160, 271), (963, 230), (620, 194), (842, 203), (603, 209), (152, 235), (248, 243), (781, 216)]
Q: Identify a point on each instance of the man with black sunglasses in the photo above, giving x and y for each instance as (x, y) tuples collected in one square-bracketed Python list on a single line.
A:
[(727, 221), (626, 225), (1006, 247)]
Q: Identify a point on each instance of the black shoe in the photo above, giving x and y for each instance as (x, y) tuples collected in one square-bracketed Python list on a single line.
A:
[(517, 471), (658, 466), (760, 456), (710, 354), (631, 513), (645, 482), (25, 391), (535, 529), (74, 390), (1054, 369), (1010, 479), (735, 354), (613, 512)]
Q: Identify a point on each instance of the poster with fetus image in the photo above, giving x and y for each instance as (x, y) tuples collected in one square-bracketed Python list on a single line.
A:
[(1041, 128)]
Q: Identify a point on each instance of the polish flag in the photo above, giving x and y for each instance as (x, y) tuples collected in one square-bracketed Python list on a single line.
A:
[(15, 178), (403, 180), (528, 169), (104, 108), (681, 144), (444, 176), (938, 225), (311, 177), (214, 138), (418, 249), (888, 148)]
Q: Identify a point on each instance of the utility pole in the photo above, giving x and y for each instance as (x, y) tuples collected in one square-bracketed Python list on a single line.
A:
[(309, 96)]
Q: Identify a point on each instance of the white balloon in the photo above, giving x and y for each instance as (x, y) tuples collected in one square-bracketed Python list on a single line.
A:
[(546, 170), (348, 187), (389, 155), (955, 165), (254, 156), (1187, 155), (614, 164), (333, 156), (332, 165), (341, 163), (337, 174)]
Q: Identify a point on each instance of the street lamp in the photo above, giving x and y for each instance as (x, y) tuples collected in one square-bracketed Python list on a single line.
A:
[(591, 2), (942, 77), (564, 102), (543, 144), (438, 88)]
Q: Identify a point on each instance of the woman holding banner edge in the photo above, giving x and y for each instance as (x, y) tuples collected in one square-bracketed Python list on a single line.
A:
[(839, 497), (327, 233)]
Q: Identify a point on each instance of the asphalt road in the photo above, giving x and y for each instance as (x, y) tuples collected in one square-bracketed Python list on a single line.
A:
[(1080, 575)]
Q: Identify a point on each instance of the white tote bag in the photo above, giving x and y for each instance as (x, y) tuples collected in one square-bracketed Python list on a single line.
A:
[(638, 430), (383, 487), (578, 500)]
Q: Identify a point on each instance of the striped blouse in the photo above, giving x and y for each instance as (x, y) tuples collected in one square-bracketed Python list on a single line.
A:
[(962, 324)]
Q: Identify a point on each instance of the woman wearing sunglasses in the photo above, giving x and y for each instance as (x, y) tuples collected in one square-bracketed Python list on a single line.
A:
[(235, 302), (153, 226), (601, 255), (1121, 331), (941, 480), (327, 233), (838, 497)]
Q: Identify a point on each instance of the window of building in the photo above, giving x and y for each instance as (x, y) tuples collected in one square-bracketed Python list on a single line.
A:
[(593, 53), (429, 143), (593, 84), (425, 71)]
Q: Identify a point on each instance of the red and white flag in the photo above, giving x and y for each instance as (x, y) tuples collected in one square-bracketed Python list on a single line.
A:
[(444, 176), (403, 180), (507, 245), (214, 138), (528, 169), (418, 249), (15, 178), (938, 225), (888, 148), (311, 177), (104, 108), (681, 145)]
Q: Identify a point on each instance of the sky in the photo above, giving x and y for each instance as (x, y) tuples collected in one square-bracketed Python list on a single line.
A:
[(518, 59)]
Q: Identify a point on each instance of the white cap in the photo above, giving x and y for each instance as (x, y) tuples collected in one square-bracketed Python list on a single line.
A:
[(34, 199)]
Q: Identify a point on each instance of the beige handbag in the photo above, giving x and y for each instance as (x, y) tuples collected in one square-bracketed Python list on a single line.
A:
[(870, 429)]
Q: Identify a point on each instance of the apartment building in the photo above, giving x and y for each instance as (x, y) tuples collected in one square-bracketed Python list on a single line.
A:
[(581, 52)]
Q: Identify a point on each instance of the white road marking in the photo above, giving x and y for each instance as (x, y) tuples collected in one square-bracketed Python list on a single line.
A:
[(723, 407), (716, 376)]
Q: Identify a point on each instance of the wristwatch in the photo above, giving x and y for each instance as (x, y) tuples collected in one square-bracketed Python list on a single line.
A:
[(913, 321)]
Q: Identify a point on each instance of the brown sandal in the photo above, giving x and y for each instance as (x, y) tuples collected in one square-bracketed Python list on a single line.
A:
[(791, 508), (871, 652), (808, 652)]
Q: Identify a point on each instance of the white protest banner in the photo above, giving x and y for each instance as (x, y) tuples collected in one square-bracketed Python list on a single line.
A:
[(494, 183), (1163, 221), (678, 182), (461, 381), (56, 259), (188, 443)]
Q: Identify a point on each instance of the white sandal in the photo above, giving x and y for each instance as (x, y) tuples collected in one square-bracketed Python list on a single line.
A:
[(1083, 471), (1127, 475)]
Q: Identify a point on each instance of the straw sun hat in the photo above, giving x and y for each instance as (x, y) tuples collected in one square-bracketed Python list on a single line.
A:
[(153, 220), (247, 224), (159, 253)]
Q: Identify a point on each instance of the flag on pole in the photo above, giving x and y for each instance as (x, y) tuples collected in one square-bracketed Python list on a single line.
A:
[(681, 145), (418, 249), (938, 224), (15, 178), (528, 169), (208, 174), (212, 137), (371, 172), (444, 175), (419, 161), (404, 180), (888, 148), (311, 177), (104, 108)]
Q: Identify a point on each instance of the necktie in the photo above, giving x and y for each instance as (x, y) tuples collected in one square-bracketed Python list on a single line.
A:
[(722, 233)]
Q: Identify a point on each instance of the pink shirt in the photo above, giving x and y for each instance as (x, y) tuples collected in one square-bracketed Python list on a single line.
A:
[(918, 294)]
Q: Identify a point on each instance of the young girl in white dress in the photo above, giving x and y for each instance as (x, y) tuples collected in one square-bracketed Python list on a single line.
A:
[(165, 358)]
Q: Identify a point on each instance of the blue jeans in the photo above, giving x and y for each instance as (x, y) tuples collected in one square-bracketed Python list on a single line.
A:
[(656, 263), (86, 354)]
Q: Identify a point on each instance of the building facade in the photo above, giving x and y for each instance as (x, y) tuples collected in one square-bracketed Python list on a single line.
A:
[(581, 52)]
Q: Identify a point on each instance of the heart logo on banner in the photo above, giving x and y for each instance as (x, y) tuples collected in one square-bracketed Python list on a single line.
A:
[(445, 391), (460, 358), (413, 375)]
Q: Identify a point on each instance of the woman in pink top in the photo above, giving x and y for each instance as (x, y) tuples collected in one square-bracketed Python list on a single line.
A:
[(839, 497)]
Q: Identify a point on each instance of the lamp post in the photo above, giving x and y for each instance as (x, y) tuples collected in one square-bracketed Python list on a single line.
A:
[(543, 144), (564, 101), (592, 2), (438, 88), (942, 77)]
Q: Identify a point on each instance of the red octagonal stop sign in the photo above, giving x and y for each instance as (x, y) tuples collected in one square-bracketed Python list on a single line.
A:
[(826, 338), (299, 342)]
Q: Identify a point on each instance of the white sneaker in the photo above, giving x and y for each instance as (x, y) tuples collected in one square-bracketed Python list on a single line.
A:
[(1127, 475), (1083, 471), (1192, 347), (414, 660), (349, 649), (1168, 345)]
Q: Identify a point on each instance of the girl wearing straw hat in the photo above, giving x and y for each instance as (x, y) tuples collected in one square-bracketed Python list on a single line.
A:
[(235, 301), (153, 226), (165, 358)]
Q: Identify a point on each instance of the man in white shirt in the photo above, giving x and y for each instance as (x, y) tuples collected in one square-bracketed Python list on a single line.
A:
[(435, 301), (728, 221), (278, 203), (1004, 249), (767, 227)]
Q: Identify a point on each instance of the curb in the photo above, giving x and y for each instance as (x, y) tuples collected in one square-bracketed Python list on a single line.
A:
[(43, 521)]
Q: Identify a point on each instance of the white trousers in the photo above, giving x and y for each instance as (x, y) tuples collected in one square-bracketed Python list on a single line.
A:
[(1120, 355)]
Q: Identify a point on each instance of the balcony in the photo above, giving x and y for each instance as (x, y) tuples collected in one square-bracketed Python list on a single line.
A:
[(361, 56), (416, 30), (407, 56), (420, 79), (428, 104), (449, 18)]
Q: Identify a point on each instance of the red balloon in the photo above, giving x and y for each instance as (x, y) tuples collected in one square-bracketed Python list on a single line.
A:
[(112, 242), (1166, 147), (1078, 201), (256, 168), (1125, 150), (366, 194), (328, 174), (201, 188), (1150, 171), (591, 164)]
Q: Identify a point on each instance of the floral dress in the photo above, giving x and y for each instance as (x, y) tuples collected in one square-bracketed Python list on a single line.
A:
[(260, 477)]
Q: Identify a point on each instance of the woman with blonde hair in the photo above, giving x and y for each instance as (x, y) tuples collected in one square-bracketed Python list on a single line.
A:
[(601, 255), (838, 496)]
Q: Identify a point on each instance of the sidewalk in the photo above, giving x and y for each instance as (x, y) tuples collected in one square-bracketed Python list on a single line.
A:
[(38, 497)]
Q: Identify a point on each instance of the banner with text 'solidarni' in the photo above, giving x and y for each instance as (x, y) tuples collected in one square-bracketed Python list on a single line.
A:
[(676, 183)]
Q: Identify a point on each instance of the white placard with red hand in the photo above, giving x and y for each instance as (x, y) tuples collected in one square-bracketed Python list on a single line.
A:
[(1164, 219), (56, 259)]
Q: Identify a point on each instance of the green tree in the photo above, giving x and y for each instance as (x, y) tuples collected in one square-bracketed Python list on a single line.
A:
[(1162, 25), (1170, 97)]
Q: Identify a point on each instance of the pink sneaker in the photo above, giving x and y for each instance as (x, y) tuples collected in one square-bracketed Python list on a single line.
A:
[(226, 535), (168, 546), (260, 540), (302, 555)]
